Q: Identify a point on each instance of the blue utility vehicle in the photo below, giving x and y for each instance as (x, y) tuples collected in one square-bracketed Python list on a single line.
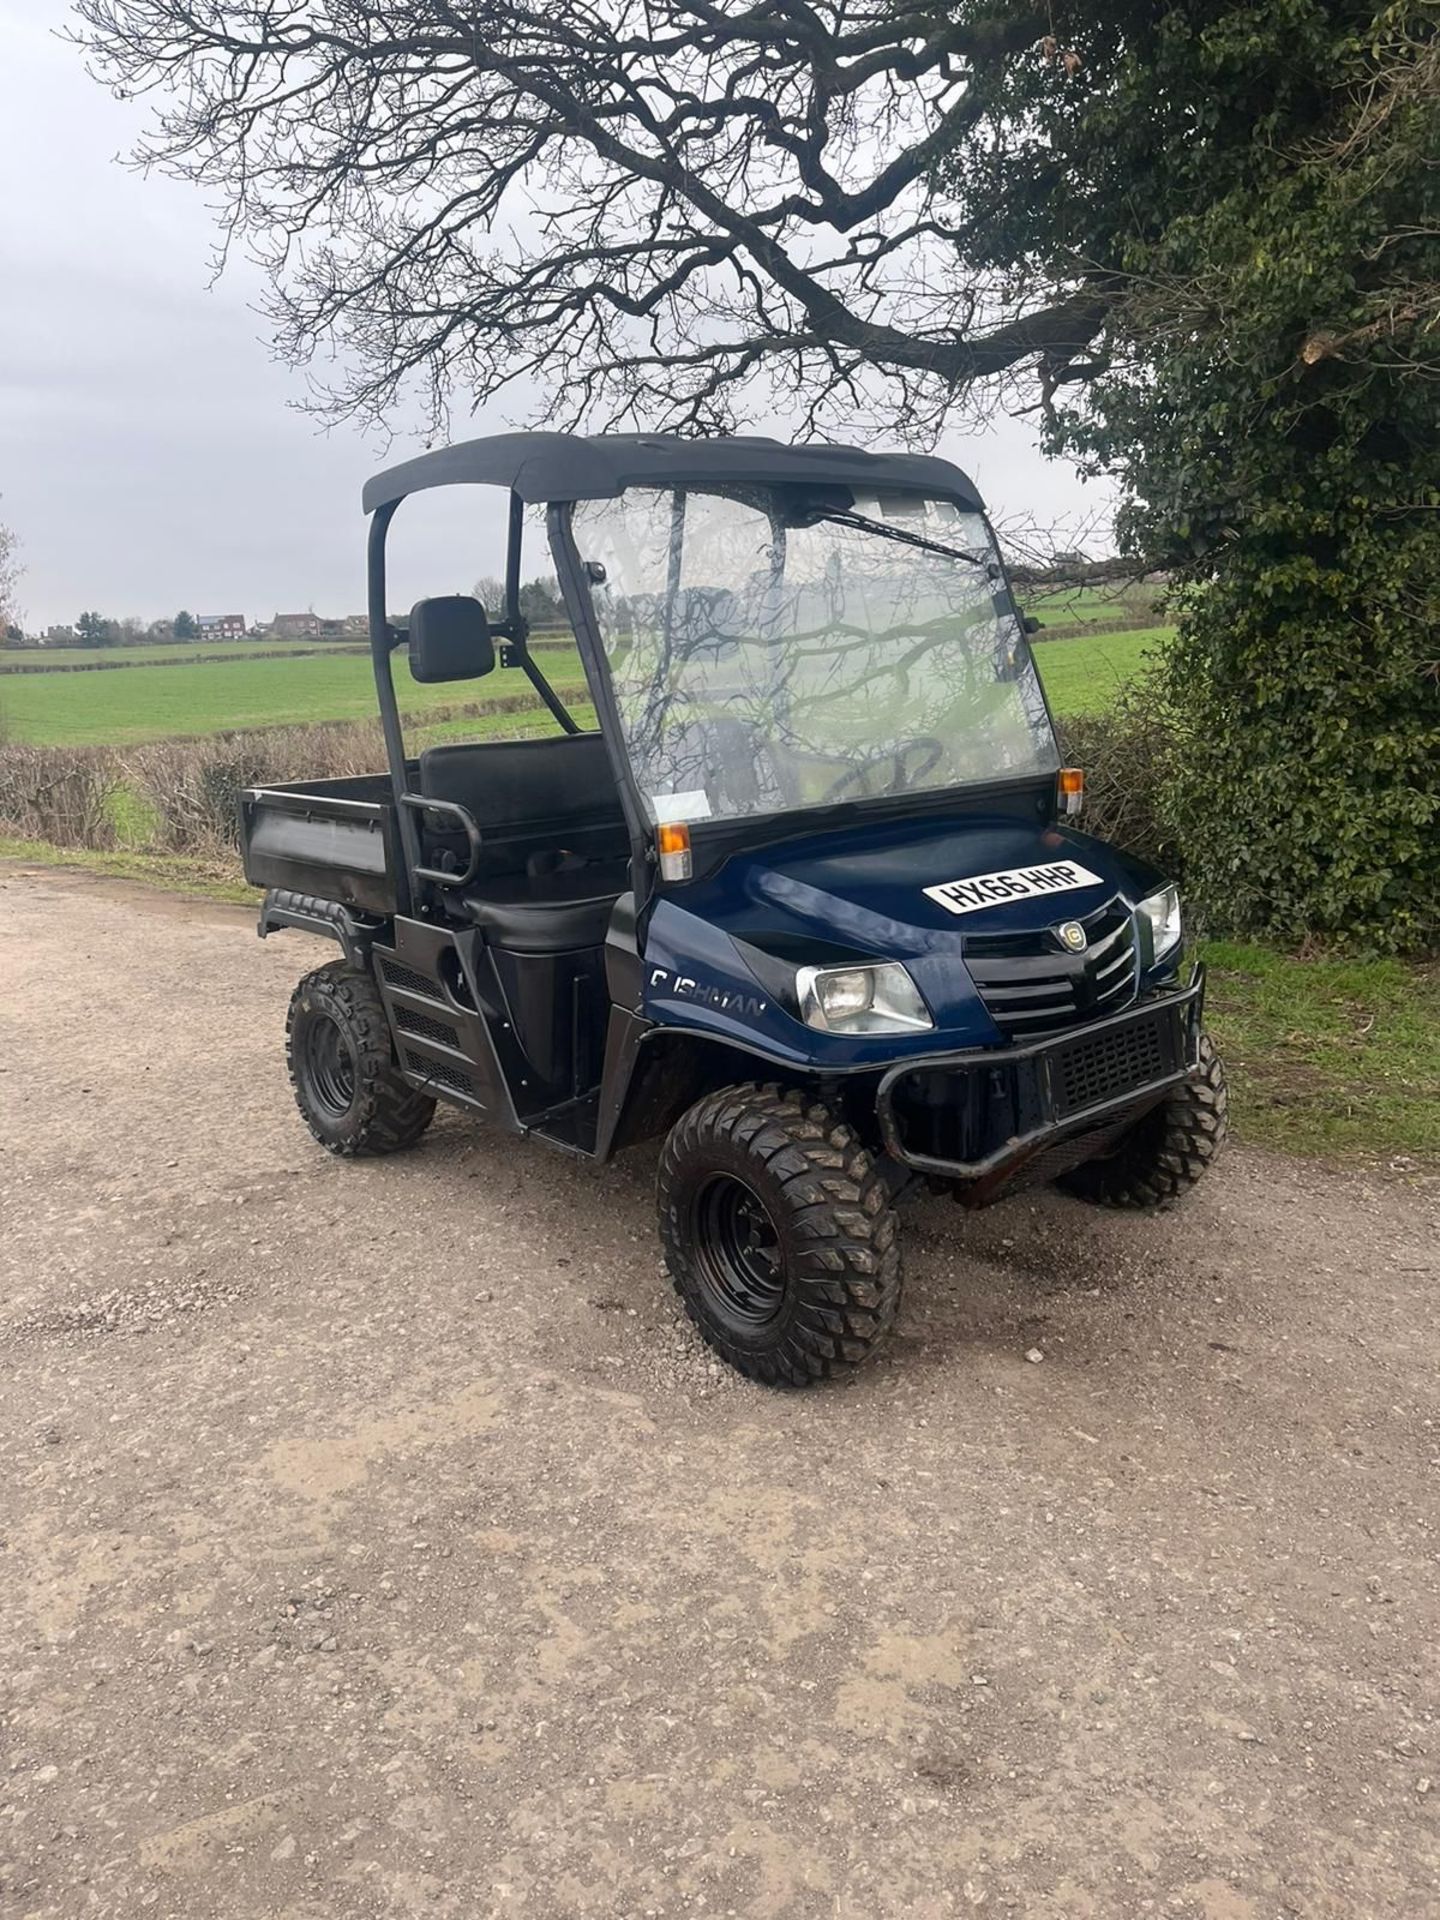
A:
[(810, 902)]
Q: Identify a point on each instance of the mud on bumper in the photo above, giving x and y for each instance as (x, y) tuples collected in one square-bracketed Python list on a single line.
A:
[(988, 1118)]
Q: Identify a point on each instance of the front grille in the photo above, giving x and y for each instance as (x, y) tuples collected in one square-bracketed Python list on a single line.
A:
[(397, 975), (441, 1072), (409, 1021), (1031, 987), (1102, 1066)]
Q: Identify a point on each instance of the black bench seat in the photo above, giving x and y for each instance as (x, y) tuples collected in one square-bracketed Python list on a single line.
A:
[(555, 851)]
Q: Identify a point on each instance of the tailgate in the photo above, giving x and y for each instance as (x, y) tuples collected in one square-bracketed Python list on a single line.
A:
[(321, 844)]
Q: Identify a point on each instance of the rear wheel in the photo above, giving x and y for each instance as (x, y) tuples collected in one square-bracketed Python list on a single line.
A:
[(1162, 1156), (342, 1066), (779, 1235)]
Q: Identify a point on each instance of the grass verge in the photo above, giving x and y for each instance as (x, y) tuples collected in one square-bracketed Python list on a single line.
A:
[(175, 873), (1331, 1058)]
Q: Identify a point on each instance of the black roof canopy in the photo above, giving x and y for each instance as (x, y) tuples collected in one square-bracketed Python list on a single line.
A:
[(540, 467)]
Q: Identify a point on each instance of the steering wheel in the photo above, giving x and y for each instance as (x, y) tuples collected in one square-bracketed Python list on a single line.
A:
[(926, 744)]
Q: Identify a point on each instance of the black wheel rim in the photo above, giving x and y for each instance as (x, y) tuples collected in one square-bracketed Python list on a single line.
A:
[(737, 1252), (329, 1065)]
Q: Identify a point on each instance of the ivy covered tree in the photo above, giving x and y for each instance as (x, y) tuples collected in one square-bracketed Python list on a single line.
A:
[(1262, 186), (1200, 238)]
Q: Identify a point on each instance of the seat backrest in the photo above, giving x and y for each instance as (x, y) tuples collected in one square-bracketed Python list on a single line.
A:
[(562, 780)]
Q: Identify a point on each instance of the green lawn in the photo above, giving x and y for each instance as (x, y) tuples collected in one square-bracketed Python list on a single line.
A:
[(1329, 1057)]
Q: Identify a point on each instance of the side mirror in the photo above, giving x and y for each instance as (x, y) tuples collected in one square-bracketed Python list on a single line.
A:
[(450, 639)]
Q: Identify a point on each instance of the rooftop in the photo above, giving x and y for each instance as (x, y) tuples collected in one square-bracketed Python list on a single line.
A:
[(541, 467)]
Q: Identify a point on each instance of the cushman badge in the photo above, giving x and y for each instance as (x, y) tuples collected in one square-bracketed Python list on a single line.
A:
[(1071, 936)]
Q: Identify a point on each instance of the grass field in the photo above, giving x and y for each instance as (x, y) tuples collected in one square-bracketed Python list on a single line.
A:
[(11, 660), (1093, 603), (288, 688), (192, 652), (104, 709), (1084, 676), (494, 726)]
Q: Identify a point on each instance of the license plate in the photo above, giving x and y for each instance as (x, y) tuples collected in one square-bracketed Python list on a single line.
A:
[(1014, 883)]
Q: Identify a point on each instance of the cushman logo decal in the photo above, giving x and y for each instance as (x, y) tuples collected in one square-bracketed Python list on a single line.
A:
[(681, 987), (1015, 883)]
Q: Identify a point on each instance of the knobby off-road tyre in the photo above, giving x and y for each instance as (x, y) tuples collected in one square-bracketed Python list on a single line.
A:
[(342, 1066), (779, 1235), (1167, 1151)]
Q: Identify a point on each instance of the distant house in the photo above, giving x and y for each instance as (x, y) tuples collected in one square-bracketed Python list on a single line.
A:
[(296, 626), (350, 626), (220, 626)]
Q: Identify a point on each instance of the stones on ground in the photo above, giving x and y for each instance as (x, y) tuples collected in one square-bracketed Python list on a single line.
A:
[(1034, 1356)]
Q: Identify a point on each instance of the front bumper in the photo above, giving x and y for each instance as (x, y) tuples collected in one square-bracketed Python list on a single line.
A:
[(983, 1115)]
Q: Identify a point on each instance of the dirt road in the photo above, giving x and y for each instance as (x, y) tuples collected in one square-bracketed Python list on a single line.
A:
[(376, 1541)]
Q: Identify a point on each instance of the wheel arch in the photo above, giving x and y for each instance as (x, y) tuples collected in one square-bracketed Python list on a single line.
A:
[(330, 919), (654, 1073)]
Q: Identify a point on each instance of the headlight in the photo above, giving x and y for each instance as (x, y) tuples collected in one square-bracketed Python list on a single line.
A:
[(861, 999), (1162, 910)]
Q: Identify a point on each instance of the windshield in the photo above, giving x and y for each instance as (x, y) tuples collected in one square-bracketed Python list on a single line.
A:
[(771, 652)]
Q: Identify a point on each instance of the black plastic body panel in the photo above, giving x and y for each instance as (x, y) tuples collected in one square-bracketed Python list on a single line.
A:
[(442, 1021), (557, 1005), (517, 1037), (331, 839)]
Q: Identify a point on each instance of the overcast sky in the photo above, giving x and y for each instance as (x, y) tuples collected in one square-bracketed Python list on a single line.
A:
[(150, 456)]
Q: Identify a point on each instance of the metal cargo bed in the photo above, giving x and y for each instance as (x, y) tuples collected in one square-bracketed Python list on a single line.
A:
[(332, 839)]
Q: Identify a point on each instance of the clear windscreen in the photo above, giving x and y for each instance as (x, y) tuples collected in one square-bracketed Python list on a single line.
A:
[(770, 654)]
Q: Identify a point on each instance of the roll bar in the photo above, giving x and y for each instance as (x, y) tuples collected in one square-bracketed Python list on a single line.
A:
[(386, 635)]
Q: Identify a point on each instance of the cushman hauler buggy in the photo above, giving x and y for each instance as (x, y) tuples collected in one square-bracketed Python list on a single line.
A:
[(809, 903)]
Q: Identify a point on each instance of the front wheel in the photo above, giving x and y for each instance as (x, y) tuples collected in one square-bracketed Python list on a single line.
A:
[(1167, 1150), (343, 1069), (779, 1235)]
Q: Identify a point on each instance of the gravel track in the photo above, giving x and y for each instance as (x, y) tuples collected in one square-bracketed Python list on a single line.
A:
[(376, 1539)]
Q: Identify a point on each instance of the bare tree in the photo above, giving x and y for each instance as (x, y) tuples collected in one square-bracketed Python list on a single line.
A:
[(10, 572), (640, 207)]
